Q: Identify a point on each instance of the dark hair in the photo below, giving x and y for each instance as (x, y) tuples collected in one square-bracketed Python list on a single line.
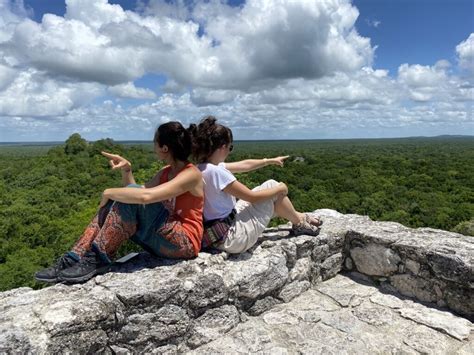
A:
[(208, 136), (176, 138)]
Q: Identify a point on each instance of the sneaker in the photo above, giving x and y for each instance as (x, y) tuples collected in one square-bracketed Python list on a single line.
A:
[(90, 265), (50, 274), (305, 228)]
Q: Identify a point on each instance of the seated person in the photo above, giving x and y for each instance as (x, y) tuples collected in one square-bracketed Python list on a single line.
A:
[(164, 216), (236, 226)]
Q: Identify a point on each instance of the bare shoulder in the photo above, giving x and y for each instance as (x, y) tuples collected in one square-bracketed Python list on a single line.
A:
[(192, 172)]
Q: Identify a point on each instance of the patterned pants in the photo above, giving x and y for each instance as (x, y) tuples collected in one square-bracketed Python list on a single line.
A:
[(150, 226)]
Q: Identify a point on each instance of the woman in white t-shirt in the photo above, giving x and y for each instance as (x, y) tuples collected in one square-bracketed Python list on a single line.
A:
[(246, 218)]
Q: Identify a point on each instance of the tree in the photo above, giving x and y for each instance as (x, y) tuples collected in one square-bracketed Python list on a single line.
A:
[(75, 144)]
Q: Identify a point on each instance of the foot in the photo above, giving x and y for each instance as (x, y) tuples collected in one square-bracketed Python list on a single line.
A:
[(304, 229), (50, 274), (315, 221), (307, 226), (90, 265)]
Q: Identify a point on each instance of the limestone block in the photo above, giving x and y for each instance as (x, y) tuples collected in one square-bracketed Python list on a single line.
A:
[(331, 266), (301, 270), (213, 324), (375, 260), (291, 290), (417, 287), (167, 323), (263, 305), (444, 321)]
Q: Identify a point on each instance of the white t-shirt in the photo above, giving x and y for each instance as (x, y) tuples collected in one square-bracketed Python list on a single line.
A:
[(217, 203)]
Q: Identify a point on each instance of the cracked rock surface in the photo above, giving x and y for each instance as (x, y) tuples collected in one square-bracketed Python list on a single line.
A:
[(285, 295), (325, 320)]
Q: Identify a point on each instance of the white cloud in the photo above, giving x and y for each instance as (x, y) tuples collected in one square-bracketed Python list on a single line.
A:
[(11, 13), (32, 94), (206, 97), (465, 51), (129, 90), (7, 75), (423, 82), (94, 13), (268, 69), (274, 40), (373, 23)]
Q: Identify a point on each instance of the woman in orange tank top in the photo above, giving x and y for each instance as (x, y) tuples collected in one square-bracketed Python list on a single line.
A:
[(164, 216)]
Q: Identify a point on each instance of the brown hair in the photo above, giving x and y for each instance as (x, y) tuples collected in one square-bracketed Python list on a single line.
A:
[(176, 138), (208, 136)]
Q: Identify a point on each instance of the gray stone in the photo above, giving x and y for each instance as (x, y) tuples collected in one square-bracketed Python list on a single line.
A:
[(375, 260), (373, 314), (331, 266), (208, 290), (320, 253), (414, 286), (427, 341), (348, 263), (344, 292), (366, 328), (153, 305), (263, 305), (292, 290), (444, 321), (167, 323), (412, 266), (466, 349), (213, 324), (301, 270)]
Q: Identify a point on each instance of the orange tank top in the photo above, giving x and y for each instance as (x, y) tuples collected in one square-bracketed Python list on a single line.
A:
[(188, 210)]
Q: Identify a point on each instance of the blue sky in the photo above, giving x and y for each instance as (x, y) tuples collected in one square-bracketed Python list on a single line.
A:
[(268, 69)]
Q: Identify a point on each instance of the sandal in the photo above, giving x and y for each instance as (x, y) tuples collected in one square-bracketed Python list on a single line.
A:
[(304, 228), (314, 221)]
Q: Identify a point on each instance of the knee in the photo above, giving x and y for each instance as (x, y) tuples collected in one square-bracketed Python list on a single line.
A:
[(270, 183)]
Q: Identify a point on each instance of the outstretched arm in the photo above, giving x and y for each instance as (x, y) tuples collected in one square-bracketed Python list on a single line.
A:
[(185, 181), (247, 165), (242, 192)]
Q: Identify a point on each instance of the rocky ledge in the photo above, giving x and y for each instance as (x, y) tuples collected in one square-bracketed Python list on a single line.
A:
[(402, 290)]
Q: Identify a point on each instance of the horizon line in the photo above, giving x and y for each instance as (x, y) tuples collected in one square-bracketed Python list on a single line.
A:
[(252, 140)]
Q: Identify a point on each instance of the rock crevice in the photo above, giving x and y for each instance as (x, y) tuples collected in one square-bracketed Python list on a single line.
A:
[(158, 305)]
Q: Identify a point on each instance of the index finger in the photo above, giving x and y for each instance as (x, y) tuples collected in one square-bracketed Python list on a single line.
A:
[(285, 157), (108, 155)]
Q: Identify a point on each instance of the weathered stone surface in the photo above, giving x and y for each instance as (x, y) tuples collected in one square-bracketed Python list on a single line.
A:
[(345, 292), (414, 286), (262, 300), (167, 323), (213, 324), (366, 328), (292, 290), (458, 328), (263, 305), (428, 264), (331, 266), (375, 260)]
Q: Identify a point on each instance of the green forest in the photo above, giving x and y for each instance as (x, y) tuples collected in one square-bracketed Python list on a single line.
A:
[(48, 194)]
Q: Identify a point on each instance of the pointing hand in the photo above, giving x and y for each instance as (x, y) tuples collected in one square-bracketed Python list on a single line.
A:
[(117, 162)]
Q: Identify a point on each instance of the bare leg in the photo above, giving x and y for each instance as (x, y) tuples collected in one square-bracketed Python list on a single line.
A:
[(284, 209)]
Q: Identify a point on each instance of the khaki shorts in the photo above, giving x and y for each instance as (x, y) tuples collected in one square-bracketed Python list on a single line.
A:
[(250, 222)]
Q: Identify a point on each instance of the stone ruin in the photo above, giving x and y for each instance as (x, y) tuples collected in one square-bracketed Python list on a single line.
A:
[(359, 287)]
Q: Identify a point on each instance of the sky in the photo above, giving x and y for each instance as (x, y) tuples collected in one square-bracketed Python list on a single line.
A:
[(268, 69)]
